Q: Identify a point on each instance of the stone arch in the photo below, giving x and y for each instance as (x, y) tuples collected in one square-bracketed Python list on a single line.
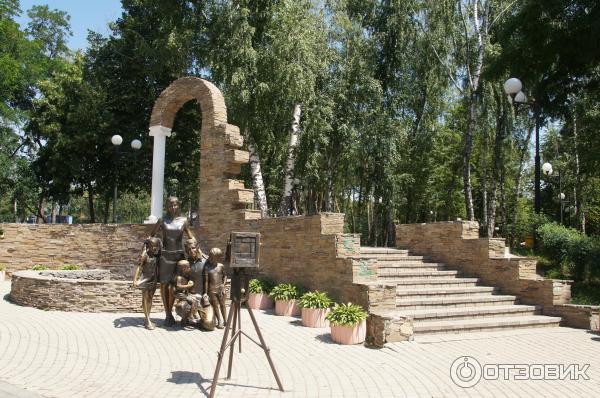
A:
[(222, 198)]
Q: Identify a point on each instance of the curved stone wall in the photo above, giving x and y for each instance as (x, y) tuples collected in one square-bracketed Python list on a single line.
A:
[(48, 290)]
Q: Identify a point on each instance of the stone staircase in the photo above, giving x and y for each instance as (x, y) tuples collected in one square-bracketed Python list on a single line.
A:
[(440, 301)]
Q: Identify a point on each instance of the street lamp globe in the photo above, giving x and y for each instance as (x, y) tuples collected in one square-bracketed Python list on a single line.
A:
[(520, 98), (512, 86), (547, 168), (136, 144), (116, 140)]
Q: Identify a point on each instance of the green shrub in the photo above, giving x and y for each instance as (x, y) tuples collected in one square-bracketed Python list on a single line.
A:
[(315, 299), (585, 293), (2, 267), (70, 267), (554, 273), (346, 315), (262, 285), (569, 249), (40, 267), (285, 291), (554, 241)]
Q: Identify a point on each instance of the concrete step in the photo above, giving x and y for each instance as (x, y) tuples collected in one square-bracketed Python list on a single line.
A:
[(471, 312), (483, 324), (399, 269), (381, 250), (443, 291), (396, 263), (389, 257), (476, 300), (414, 283), (418, 274)]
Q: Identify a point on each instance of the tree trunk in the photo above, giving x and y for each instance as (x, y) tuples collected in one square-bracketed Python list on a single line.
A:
[(579, 200), (16, 216), (284, 207), (91, 204), (518, 185), (329, 194), (257, 182), (484, 207), (106, 208), (40, 209), (496, 167), (473, 79)]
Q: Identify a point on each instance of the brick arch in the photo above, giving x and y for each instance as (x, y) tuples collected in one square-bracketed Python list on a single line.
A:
[(212, 104), (222, 198)]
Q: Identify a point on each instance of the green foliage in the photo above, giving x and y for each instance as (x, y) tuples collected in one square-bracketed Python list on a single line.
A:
[(2, 267), (570, 248), (385, 105), (346, 314), (261, 285), (70, 267), (284, 292), (40, 267), (585, 293), (315, 299)]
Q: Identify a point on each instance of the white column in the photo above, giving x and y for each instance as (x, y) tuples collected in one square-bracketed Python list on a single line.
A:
[(160, 134)]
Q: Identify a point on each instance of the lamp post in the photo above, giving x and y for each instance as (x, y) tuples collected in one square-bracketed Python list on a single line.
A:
[(513, 87), (117, 140), (548, 170)]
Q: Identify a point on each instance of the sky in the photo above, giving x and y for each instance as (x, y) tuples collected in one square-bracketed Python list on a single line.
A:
[(85, 14)]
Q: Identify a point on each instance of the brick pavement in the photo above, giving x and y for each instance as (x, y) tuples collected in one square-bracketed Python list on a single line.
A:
[(65, 354)]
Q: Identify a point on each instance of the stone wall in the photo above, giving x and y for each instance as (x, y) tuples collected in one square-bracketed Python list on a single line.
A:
[(457, 244), (311, 251), (32, 289), (115, 247)]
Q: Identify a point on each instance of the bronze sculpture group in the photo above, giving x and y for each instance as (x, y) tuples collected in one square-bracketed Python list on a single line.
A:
[(189, 281)]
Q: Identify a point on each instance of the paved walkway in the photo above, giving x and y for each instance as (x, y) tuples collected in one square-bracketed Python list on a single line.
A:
[(62, 354)]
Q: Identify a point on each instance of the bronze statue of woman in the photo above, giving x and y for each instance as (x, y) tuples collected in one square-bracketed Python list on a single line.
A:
[(173, 227)]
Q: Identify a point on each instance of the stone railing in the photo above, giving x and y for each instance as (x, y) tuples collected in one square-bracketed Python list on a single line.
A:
[(458, 245)]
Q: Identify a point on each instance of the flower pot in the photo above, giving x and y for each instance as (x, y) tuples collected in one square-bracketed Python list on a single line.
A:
[(315, 317), (259, 301), (349, 334), (287, 307)]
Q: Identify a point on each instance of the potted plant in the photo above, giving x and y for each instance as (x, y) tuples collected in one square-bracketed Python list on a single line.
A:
[(2, 272), (348, 323), (315, 305), (285, 295), (258, 294)]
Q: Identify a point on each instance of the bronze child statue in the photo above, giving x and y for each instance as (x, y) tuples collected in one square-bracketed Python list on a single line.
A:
[(146, 276), (214, 284), (187, 304)]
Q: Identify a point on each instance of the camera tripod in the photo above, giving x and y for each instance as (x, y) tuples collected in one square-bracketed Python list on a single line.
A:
[(234, 324)]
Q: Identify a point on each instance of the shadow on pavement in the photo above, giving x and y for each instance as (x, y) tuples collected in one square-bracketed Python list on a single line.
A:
[(594, 333), (129, 321), (185, 377), (325, 338)]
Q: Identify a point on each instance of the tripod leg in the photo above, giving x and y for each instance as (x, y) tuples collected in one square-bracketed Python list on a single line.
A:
[(221, 354), (265, 348), (234, 335)]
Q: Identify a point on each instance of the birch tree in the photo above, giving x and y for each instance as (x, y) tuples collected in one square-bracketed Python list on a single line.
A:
[(286, 198)]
